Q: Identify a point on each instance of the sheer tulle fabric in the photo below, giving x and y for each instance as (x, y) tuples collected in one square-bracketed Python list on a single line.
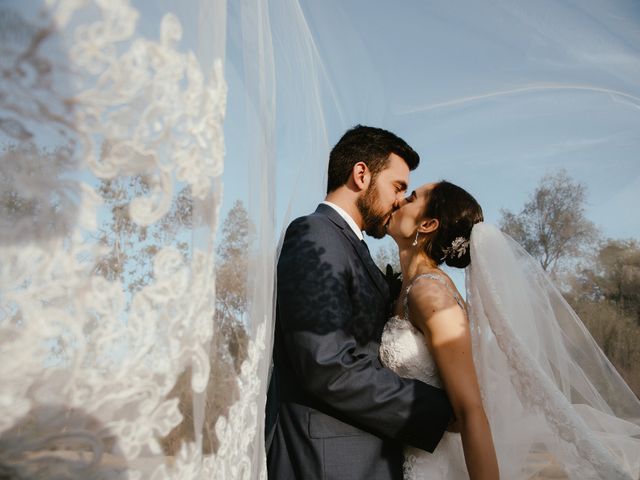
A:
[(551, 395), (145, 109), (111, 126)]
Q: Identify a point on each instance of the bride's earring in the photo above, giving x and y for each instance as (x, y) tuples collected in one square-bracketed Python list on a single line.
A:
[(415, 242)]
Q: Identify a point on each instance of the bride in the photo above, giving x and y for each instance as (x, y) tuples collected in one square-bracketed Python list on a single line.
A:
[(529, 387)]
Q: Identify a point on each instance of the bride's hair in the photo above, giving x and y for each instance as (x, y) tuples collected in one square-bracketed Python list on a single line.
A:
[(457, 212)]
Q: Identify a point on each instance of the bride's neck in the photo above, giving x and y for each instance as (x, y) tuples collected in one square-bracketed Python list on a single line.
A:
[(414, 261)]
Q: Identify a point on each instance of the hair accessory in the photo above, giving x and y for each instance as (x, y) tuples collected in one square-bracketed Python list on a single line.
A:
[(457, 249)]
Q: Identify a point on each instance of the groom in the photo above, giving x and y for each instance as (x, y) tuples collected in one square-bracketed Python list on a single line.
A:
[(333, 411)]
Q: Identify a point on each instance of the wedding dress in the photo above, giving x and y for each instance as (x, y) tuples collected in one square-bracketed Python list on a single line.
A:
[(552, 398), (403, 350)]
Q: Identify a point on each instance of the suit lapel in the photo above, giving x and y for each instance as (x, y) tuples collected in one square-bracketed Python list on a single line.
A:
[(372, 268), (362, 251)]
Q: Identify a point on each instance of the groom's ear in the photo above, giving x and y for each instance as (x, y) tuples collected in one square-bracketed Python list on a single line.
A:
[(361, 175), (429, 225)]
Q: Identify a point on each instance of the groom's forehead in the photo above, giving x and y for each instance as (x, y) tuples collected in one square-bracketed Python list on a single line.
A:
[(396, 171), (395, 181)]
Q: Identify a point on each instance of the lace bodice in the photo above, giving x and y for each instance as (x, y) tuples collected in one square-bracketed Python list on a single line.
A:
[(404, 351), (403, 348)]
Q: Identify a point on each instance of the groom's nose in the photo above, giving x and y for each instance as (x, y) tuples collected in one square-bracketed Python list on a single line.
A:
[(401, 202)]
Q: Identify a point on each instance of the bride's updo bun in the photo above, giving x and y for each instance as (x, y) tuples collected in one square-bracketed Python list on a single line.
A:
[(457, 212)]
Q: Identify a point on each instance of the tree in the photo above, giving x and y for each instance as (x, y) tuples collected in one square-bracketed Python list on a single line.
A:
[(387, 255), (132, 247), (614, 277), (552, 225), (230, 340), (38, 196), (232, 265), (606, 296), (602, 286)]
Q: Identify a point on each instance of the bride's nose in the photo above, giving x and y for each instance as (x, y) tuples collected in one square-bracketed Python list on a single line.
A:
[(401, 202)]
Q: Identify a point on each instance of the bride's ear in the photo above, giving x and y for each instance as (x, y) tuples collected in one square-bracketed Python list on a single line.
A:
[(429, 225), (361, 175)]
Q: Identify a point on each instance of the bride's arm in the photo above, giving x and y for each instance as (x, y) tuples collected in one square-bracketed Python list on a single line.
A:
[(435, 312)]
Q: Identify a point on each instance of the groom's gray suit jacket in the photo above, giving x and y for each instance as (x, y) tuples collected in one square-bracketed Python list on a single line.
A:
[(333, 410)]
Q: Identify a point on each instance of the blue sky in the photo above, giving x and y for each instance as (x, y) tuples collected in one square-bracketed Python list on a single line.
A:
[(493, 96)]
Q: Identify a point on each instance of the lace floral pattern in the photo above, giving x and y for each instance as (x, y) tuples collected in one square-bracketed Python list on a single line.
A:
[(403, 350), (85, 97)]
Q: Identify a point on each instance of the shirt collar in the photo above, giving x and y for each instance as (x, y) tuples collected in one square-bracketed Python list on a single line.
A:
[(347, 218)]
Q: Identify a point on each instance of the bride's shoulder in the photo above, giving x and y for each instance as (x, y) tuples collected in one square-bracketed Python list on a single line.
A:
[(431, 292)]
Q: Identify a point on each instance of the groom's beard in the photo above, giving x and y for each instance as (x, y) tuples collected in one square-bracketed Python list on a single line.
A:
[(374, 220)]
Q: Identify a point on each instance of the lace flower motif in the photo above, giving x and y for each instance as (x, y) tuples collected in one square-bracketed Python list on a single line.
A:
[(457, 248)]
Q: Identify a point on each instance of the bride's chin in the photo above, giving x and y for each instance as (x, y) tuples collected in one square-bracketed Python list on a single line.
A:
[(390, 231)]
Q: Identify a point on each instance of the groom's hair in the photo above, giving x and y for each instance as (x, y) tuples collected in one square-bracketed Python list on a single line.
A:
[(369, 145)]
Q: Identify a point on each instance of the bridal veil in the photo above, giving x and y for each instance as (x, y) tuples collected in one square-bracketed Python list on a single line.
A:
[(130, 128), (550, 393)]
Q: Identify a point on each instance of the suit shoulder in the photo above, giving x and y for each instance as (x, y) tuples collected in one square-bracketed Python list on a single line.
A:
[(317, 234), (313, 223), (314, 217)]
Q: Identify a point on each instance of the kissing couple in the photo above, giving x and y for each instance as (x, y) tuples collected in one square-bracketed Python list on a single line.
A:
[(428, 385)]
